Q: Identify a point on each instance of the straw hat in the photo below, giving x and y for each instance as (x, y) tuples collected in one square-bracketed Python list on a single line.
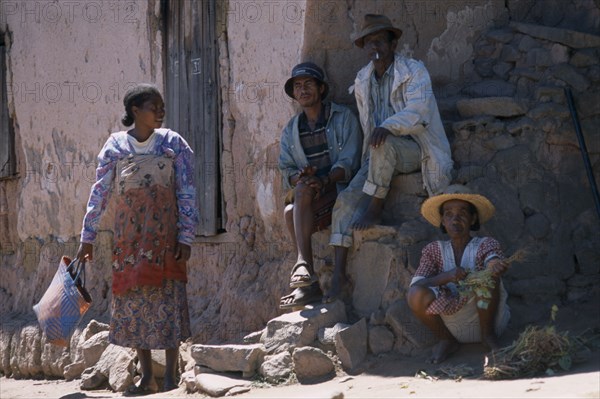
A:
[(431, 207), (374, 23)]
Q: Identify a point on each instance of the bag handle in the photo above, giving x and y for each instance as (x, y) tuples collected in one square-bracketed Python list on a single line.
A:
[(79, 271)]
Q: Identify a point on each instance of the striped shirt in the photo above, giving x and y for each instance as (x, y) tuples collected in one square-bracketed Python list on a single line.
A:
[(314, 142), (381, 93)]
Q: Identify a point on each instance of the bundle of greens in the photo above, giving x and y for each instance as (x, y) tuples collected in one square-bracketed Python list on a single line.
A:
[(481, 283), (537, 350)]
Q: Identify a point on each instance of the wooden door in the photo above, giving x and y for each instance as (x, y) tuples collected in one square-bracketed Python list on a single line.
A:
[(193, 98)]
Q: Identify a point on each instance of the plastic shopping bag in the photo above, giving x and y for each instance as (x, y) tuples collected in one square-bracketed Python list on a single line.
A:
[(65, 302)]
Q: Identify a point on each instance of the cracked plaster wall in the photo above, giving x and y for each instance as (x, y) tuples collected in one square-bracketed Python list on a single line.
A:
[(235, 279)]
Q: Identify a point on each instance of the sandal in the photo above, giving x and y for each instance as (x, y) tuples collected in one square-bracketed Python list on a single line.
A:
[(138, 390), (301, 296), (301, 277)]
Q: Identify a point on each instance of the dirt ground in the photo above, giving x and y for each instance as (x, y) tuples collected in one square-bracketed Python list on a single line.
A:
[(394, 376), (380, 377), (384, 377)]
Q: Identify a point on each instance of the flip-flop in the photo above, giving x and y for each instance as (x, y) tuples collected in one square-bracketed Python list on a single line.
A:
[(302, 296), (301, 277), (138, 390)]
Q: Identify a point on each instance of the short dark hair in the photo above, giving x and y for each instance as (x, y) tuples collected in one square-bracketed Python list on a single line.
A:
[(137, 96), (475, 227)]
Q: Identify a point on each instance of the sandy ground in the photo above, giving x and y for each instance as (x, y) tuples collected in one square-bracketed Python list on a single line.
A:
[(393, 376), (383, 377)]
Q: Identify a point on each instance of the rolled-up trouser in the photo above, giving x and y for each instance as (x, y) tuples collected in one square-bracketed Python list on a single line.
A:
[(396, 155)]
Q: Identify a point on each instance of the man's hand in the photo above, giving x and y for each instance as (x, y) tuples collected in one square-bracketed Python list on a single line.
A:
[(85, 252), (498, 266), (182, 252), (378, 136), (308, 171)]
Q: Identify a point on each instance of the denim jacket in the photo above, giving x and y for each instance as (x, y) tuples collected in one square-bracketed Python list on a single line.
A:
[(416, 115), (343, 137)]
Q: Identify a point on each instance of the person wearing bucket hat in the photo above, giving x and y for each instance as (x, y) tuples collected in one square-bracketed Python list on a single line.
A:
[(434, 295), (320, 151), (403, 133)]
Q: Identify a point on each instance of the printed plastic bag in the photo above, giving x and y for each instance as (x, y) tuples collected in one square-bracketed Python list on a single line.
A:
[(64, 303)]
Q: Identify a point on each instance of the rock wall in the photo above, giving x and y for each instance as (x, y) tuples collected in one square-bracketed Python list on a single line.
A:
[(499, 84)]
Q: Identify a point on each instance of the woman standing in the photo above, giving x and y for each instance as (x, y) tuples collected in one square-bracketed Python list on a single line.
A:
[(151, 172)]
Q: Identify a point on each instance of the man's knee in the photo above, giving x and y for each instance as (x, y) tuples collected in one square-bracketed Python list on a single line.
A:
[(384, 150), (303, 194)]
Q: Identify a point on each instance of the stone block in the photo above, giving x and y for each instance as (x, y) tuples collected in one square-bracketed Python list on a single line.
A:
[(528, 43), (548, 110), (538, 289), (494, 106), (381, 340), (484, 67), (92, 378), (400, 207), (500, 35), (539, 57), (116, 363), (538, 225), (529, 73), (189, 381), (501, 142), (588, 105), (327, 335), (300, 328), (570, 75), (522, 125), (54, 359), (219, 385), (408, 183), (584, 58), (407, 327), (244, 358), (351, 344), (559, 53), (510, 54), (26, 352), (545, 94), (567, 37), (253, 338), (588, 260), (276, 368), (490, 88), (73, 371), (502, 69), (468, 173), (92, 348), (370, 268), (312, 365)]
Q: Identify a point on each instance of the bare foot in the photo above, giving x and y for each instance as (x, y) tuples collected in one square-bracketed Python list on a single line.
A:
[(443, 350), (338, 283), (371, 216)]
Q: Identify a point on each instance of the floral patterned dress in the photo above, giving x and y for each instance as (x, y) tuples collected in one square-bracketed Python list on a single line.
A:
[(155, 202)]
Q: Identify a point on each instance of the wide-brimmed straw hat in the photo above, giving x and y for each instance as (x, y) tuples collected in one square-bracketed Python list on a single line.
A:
[(374, 23), (306, 69), (431, 207)]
